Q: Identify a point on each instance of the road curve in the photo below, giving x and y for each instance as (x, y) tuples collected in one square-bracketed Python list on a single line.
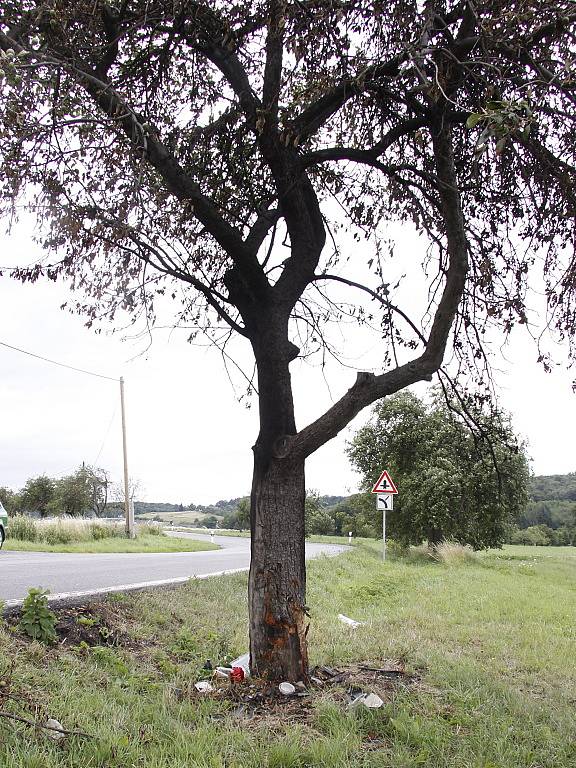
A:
[(73, 576)]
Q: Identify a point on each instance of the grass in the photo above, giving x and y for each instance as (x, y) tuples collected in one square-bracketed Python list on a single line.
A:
[(216, 531), (492, 639), (143, 543), (66, 534)]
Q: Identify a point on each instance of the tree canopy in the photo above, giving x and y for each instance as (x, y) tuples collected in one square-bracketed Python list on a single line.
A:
[(454, 482), (161, 144)]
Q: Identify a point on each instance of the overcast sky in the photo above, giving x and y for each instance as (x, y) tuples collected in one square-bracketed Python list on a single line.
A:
[(188, 436)]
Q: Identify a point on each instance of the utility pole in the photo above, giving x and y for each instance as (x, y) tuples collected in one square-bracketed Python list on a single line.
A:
[(128, 508)]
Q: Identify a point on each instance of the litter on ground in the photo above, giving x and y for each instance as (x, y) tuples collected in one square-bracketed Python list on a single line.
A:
[(350, 622)]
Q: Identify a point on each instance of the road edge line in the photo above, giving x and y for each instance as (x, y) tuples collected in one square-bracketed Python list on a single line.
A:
[(70, 598)]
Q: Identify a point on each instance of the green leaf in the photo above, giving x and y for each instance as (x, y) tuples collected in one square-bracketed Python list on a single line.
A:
[(474, 119)]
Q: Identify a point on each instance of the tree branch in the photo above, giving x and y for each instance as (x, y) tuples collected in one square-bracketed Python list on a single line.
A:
[(273, 66), (261, 227), (368, 387), (52, 728), (375, 295), (144, 139), (315, 115)]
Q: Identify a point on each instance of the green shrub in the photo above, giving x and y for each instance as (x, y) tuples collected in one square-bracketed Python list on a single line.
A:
[(22, 528), (534, 535), (37, 620)]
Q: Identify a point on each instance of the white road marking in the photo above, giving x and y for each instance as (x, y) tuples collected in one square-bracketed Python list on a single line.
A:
[(63, 596)]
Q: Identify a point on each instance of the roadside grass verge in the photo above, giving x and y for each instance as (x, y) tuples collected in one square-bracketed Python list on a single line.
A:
[(143, 543), (491, 641), (68, 534)]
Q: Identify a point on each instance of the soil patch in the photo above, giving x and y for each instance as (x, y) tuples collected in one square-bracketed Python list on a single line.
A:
[(258, 703), (90, 625)]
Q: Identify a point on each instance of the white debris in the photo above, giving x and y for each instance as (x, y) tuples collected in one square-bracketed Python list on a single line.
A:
[(223, 672), (287, 689), (373, 701), (244, 662), (203, 686), (56, 735), (351, 622), (370, 700)]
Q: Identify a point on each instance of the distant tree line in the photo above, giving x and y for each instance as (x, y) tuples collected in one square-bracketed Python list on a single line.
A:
[(84, 492)]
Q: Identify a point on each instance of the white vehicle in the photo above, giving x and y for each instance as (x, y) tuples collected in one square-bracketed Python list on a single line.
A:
[(3, 524)]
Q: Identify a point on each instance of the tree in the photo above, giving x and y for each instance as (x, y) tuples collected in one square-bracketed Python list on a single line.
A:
[(37, 495), (239, 517), (316, 519), (10, 500), (98, 481), (174, 148), (455, 482), (72, 494), (84, 491)]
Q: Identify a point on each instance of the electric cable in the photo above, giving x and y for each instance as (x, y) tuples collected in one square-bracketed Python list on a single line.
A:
[(55, 362)]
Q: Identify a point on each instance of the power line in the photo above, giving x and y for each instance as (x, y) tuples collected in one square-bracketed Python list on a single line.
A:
[(55, 362), (105, 437)]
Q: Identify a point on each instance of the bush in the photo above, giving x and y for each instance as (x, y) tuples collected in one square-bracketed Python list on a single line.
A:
[(22, 528), (533, 536), (105, 531), (64, 530), (60, 532)]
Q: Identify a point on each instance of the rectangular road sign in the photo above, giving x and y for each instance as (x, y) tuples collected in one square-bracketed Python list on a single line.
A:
[(385, 502)]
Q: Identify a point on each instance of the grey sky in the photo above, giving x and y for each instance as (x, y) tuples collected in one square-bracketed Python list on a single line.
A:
[(188, 437)]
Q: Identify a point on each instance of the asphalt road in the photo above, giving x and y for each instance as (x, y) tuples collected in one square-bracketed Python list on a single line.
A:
[(78, 575)]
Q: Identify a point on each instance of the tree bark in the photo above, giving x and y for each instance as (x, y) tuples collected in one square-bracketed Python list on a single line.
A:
[(277, 586), (277, 583)]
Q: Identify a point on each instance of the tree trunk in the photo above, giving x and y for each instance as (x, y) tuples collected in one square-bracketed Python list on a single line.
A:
[(277, 587), (277, 584)]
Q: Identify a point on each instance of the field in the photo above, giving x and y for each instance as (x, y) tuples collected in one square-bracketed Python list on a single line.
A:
[(188, 517), (488, 647)]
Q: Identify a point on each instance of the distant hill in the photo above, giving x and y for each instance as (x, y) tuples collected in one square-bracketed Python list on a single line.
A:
[(142, 507), (200, 514), (219, 509), (557, 487), (550, 515)]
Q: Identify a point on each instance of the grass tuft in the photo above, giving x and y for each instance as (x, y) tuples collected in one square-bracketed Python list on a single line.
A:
[(453, 553)]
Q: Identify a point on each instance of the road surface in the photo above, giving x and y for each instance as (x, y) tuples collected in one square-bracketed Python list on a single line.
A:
[(73, 576)]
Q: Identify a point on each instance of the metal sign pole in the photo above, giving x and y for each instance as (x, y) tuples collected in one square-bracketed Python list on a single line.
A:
[(385, 491), (383, 534), (384, 501)]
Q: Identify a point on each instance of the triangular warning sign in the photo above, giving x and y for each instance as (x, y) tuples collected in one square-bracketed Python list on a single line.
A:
[(385, 484)]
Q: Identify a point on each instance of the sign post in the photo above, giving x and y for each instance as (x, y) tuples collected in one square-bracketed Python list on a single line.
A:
[(385, 490)]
